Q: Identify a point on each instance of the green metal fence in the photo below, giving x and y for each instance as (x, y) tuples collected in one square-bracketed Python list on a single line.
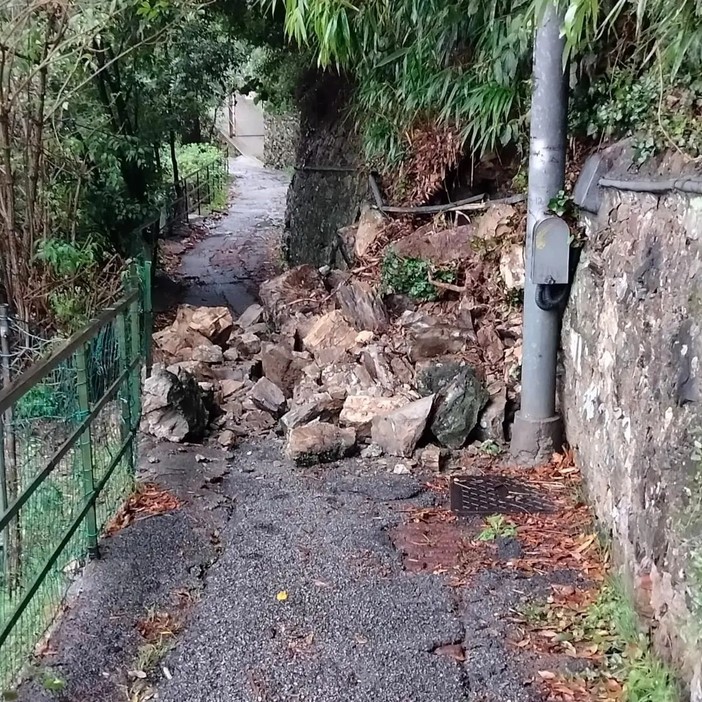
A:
[(68, 441), (67, 456)]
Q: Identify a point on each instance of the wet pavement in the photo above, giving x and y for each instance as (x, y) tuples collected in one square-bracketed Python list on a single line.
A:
[(243, 247)]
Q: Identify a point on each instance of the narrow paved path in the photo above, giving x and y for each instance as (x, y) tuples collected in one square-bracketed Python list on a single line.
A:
[(243, 247), (284, 583)]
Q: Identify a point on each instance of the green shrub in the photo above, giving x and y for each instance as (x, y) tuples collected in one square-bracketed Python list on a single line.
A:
[(410, 276)]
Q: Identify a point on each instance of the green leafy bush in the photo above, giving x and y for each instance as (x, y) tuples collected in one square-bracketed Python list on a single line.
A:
[(41, 401), (194, 157), (410, 276)]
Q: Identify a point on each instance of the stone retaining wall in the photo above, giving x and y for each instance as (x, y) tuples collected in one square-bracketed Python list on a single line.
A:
[(320, 200), (632, 343), (282, 137)]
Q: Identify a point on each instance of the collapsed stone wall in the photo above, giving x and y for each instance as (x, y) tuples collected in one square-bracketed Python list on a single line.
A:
[(632, 344), (282, 137), (321, 200)]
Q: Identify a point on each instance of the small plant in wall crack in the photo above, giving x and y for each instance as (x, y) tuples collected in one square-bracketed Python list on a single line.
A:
[(497, 527)]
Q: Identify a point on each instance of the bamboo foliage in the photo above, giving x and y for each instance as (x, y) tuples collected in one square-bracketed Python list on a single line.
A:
[(466, 63)]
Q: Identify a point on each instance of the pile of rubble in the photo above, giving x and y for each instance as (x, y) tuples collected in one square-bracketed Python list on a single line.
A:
[(336, 368)]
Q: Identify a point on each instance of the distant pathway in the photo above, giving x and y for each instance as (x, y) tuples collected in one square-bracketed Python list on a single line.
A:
[(242, 248)]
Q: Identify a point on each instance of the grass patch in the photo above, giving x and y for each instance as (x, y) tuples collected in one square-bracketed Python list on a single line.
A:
[(603, 628)]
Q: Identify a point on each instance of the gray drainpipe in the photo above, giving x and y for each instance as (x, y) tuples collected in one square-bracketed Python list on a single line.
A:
[(537, 430)]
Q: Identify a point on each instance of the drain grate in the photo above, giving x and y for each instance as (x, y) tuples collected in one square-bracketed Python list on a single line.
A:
[(494, 494)]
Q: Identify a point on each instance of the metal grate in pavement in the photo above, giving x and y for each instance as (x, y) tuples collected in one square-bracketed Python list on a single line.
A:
[(494, 494)]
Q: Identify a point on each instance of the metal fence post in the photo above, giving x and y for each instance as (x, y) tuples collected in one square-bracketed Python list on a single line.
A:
[(148, 315), (11, 478), (197, 190), (125, 395), (135, 352), (4, 504), (86, 450), (186, 208), (209, 184)]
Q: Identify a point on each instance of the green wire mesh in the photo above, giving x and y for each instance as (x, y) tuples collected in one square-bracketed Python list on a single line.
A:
[(43, 419)]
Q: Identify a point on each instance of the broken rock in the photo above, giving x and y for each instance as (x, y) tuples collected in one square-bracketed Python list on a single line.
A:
[(430, 458), (250, 316), (370, 228), (362, 306), (512, 267), (359, 411), (282, 366), (178, 343), (207, 354), (320, 405), (214, 323), (267, 396), (227, 438), (398, 432), (439, 246), (229, 387), (430, 337), (461, 397), (319, 442), (330, 332), (247, 344), (173, 407)]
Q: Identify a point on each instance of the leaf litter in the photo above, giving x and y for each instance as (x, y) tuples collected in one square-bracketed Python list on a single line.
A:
[(148, 500)]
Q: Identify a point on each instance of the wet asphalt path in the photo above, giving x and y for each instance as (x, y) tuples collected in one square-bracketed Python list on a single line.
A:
[(243, 247)]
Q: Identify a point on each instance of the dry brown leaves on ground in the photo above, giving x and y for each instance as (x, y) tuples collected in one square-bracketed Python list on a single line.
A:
[(564, 538), (184, 238), (157, 626), (434, 150), (148, 501)]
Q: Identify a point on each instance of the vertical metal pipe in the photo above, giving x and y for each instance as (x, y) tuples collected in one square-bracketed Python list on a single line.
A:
[(536, 429)]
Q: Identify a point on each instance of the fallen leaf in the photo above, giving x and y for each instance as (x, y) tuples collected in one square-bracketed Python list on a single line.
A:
[(282, 596), (547, 674)]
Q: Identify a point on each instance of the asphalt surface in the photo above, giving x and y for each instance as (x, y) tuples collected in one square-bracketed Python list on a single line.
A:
[(355, 625), (285, 581)]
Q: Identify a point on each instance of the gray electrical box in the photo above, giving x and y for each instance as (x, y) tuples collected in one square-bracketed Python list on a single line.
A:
[(550, 254)]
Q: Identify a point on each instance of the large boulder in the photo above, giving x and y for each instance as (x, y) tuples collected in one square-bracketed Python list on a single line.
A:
[(398, 432), (461, 396), (359, 411), (173, 407), (319, 442), (299, 289), (439, 246)]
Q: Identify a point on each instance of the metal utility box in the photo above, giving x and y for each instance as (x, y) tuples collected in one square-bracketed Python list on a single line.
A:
[(550, 253)]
